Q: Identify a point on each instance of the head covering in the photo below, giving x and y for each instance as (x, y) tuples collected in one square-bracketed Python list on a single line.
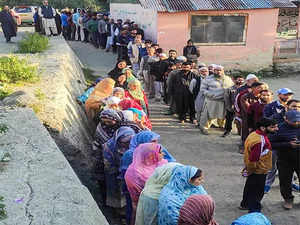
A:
[(284, 91), (103, 132), (251, 76), (113, 150), (116, 72), (200, 65), (128, 115), (174, 194), (129, 103), (102, 90), (146, 159), (197, 210), (141, 138), (251, 219), (119, 89), (130, 76), (138, 93), (181, 59), (293, 116), (219, 67), (158, 180), (203, 68), (112, 100)]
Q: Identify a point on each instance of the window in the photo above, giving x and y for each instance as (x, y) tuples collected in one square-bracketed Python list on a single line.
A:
[(23, 10), (225, 29)]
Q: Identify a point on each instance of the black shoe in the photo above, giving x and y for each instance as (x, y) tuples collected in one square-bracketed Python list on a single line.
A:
[(243, 208), (226, 133), (168, 113)]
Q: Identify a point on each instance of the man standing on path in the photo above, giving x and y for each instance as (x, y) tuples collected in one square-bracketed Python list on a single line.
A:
[(258, 161), (8, 24), (47, 13), (276, 110), (213, 88), (286, 141)]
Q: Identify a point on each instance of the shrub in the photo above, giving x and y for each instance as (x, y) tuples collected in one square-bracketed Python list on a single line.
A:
[(33, 43), (13, 69)]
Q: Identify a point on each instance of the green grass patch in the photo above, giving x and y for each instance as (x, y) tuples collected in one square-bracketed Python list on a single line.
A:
[(39, 94), (3, 214), (89, 77), (13, 69), (33, 43), (5, 91), (36, 107)]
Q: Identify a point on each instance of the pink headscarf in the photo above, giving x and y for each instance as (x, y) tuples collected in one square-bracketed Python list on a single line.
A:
[(197, 210), (146, 158)]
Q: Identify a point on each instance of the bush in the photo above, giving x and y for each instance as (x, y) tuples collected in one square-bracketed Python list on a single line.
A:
[(33, 43), (13, 70)]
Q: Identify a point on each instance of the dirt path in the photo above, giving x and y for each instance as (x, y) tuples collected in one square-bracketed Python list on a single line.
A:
[(216, 156)]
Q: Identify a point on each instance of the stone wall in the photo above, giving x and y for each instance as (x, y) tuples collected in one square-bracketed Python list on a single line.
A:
[(62, 80), (38, 184)]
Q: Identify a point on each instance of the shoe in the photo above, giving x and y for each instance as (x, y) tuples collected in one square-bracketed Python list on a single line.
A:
[(203, 131), (157, 99), (243, 208), (182, 121), (288, 204), (295, 187), (267, 189), (168, 113), (226, 133)]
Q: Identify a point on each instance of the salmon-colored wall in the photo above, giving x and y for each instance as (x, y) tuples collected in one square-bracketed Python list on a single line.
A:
[(174, 31)]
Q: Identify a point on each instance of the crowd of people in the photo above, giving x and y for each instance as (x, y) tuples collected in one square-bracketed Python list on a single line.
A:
[(9, 23), (133, 168), (140, 173)]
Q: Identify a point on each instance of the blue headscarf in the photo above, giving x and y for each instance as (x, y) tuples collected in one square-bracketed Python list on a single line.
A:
[(113, 149), (252, 218), (141, 138), (174, 194)]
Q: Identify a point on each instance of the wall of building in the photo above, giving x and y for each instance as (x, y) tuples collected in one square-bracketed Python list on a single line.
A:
[(146, 18), (257, 53)]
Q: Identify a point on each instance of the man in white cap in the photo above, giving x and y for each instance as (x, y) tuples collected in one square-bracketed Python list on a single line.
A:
[(250, 79), (213, 88)]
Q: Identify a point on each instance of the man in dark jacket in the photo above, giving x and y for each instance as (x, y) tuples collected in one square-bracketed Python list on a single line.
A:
[(286, 142), (179, 89), (8, 24)]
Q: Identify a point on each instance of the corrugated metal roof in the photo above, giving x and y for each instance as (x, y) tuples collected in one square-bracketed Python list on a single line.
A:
[(194, 5)]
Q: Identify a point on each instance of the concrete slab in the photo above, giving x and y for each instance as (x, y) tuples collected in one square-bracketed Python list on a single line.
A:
[(38, 184)]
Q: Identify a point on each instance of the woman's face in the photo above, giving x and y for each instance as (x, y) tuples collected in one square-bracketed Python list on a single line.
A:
[(108, 122), (128, 73), (133, 87), (122, 65), (119, 94), (197, 181), (122, 78)]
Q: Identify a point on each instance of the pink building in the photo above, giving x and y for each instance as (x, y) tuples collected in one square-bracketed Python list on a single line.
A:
[(239, 34)]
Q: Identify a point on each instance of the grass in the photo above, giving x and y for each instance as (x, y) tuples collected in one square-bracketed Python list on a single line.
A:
[(5, 91), (39, 94), (89, 77), (3, 128), (33, 43), (3, 213), (37, 107)]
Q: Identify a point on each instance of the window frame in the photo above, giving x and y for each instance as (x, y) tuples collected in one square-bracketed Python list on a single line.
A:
[(243, 43)]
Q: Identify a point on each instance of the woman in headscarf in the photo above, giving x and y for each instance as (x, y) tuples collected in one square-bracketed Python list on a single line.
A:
[(113, 150), (251, 219), (136, 93), (185, 181), (147, 209), (102, 90), (141, 118), (119, 92), (146, 159), (112, 102), (129, 103), (117, 71), (197, 210), (138, 139)]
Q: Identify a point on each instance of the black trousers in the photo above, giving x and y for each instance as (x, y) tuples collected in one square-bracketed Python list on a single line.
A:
[(185, 104), (229, 119), (286, 170), (78, 33), (86, 35), (254, 192)]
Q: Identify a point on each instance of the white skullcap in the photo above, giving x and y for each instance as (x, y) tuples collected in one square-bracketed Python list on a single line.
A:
[(181, 58), (251, 76), (219, 67), (163, 55), (212, 65), (203, 68)]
